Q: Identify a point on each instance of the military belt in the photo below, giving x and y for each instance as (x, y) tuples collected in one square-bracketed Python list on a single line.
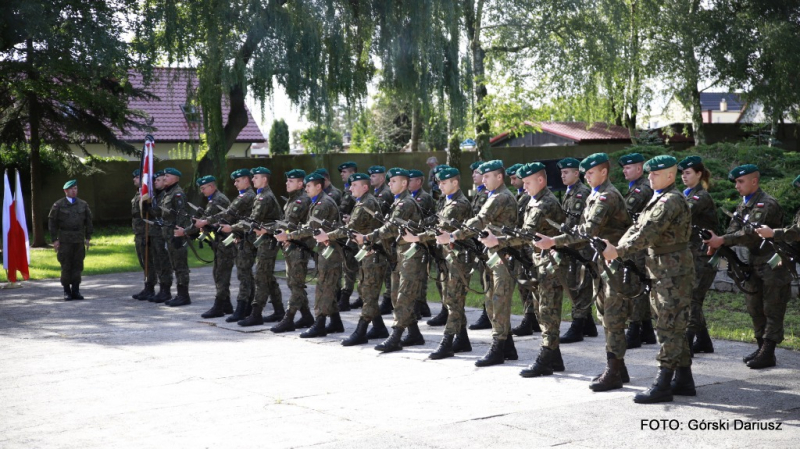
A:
[(667, 249)]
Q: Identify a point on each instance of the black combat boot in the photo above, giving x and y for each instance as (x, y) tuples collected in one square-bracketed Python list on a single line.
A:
[(683, 383), (482, 323), (703, 343), (182, 298), (141, 293), (67, 293), (648, 333), (414, 337), (461, 343), (392, 343), (254, 319), (317, 330), (510, 351), (286, 324), (753, 354), (378, 329), (611, 379), (660, 391), (764, 359), (149, 292), (335, 326), (76, 292), (440, 319), (386, 306), (623, 373), (557, 362), (690, 341), (495, 354), (359, 336), (444, 350), (424, 309), (589, 327), (543, 366), (575, 332), (417, 310), (633, 335), (357, 304), (344, 300), (306, 318), (277, 314), (237, 314), (227, 307), (528, 326), (216, 311), (164, 294)]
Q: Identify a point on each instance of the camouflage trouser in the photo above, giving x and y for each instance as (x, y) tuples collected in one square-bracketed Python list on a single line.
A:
[(371, 275), (767, 308), (160, 259), (329, 271), (498, 298), (408, 278), (458, 276), (387, 280), (178, 258), (580, 283), (350, 267), (670, 298), (266, 284), (433, 264), (613, 309), (550, 297), (224, 257), (296, 272), (641, 303), (704, 275), (70, 256), (145, 257), (245, 259)]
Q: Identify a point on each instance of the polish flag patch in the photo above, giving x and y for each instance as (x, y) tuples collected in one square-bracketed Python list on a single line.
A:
[(696, 197), (602, 198), (637, 190), (759, 204), (579, 195)]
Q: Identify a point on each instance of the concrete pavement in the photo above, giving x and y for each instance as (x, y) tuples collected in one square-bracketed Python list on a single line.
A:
[(111, 371)]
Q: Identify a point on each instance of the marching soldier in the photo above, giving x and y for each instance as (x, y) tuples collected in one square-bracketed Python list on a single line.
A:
[(140, 240), (640, 329), (500, 209), (174, 213), (70, 224), (441, 275), (428, 207), (159, 256), (663, 229), (377, 179), (574, 204), (297, 254), (605, 215), (767, 306), (350, 265), (481, 195)]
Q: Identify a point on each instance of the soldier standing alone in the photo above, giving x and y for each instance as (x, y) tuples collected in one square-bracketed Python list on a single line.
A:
[(70, 223)]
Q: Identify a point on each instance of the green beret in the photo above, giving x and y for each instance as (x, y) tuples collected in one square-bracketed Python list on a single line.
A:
[(530, 169), (439, 168), (314, 176), (241, 172), (414, 173), (205, 180), (260, 171), (661, 162), (796, 182), (158, 174), (447, 173), (323, 172), (348, 164), (474, 166), (70, 183), (593, 160), (690, 161), (295, 173), (357, 177), (172, 171), (397, 171), (137, 172), (568, 162), (512, 171), (741, 170), (628, 159), (376, 169), (491, 166)]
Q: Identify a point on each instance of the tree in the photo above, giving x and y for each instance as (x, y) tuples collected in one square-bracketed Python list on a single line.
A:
[(321, 139), (279, 137), (64, 70)]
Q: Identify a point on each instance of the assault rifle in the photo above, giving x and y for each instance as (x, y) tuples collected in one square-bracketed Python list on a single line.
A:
[(568, 252), (782, 249), (738, 271)]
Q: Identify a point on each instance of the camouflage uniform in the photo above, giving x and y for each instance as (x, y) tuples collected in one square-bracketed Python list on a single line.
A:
[(373, 268), (639, 194), (500, 209), (704, 215), (175, 201), (477, 202), (159, 255), (385, 198), (140, 229), (460, 260), (574, 204), (297, 252), (550, 292), (71, 224), (525, 294), (266, 210), (240, 207), (224, 256), (350, 266), (605, 216), (409, 272), (427, 206), (329, 270), (767, 307)]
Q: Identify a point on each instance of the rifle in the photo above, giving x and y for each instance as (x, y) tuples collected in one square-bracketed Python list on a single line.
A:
[(568, 252), (781, 249), (738, 270), (201, 213)]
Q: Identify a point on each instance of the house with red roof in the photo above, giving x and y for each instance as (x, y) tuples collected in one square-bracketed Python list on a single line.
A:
[(178, 124)]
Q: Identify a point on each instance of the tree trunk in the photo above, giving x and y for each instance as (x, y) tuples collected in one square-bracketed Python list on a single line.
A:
[(698, 130), (635, 81), (473, 19), (416, 126), (34, 117), (692, 78)]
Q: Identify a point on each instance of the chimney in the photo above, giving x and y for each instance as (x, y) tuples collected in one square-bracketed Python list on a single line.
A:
[(723, 105)]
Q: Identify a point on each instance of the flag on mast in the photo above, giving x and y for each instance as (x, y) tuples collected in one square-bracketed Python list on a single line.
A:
[(146, 179), (16, 250)]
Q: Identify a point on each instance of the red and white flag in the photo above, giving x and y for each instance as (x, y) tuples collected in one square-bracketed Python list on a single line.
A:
[(146, 178), (16, 247)]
